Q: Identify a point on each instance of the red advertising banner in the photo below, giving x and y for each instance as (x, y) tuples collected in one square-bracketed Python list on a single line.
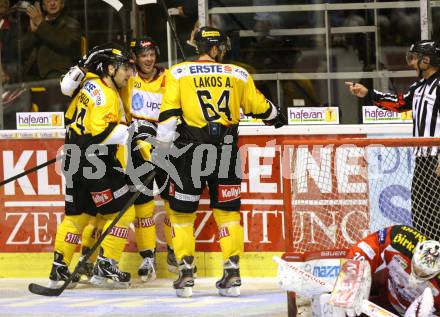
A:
[(32, 206)]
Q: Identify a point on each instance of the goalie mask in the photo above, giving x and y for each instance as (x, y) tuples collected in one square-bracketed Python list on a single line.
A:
[(425, 263)]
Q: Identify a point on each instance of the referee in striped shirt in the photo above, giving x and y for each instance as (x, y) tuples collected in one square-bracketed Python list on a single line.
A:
[(423, 98)]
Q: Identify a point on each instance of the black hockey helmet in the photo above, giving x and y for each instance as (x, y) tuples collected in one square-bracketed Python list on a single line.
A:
[(425, 48), (207, 37), (99, 57), (142, 44)]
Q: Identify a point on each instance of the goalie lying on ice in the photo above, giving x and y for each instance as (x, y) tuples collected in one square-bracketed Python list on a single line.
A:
[(404, 278)]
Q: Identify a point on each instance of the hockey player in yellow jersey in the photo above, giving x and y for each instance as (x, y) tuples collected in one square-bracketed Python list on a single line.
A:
[(142, 98), (207, 96), (95, 183)]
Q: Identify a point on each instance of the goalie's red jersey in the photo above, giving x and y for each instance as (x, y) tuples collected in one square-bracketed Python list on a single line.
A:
[(389, 252)]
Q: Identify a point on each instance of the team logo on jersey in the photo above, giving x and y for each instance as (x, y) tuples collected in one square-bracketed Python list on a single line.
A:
[(382, 235), (119, 232), (102, 198), (405, 241), (206, 69), (72, 238), (401, 261), (228, 193), (90, 87), (137, 102), (178, 72), (95, 92), (228, 69), (241, 73), (144, 222), (223, 232)]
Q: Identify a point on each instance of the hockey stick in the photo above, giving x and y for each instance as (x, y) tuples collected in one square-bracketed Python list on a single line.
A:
[(31, 170), (290, 274), (46, 291), (173, 28)]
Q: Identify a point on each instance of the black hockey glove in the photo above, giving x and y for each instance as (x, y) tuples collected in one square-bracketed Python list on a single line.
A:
[(142, 133), (279, 121)]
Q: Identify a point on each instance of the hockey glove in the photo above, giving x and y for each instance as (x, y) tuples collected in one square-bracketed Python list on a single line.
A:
[(422, 306), (279, 121), (144, 148), (142, 133), (71, 81)]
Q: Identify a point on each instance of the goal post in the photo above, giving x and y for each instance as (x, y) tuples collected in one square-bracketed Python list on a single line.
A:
[(336, 191)]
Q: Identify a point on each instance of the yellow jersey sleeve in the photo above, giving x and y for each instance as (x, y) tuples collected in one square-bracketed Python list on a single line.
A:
[(254, 103), (99, 111), (171, 105), (70, 112)]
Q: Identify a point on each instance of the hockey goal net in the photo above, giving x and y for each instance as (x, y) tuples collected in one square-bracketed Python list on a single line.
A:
[(336, 191)]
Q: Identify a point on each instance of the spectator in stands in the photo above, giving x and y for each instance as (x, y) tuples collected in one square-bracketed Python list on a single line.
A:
[(53, 41), (50, 47), (8, 43), (265, 21)]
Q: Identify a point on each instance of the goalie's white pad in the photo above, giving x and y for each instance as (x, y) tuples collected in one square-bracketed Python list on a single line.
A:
[(422, 306), (70, 82), (352, 286), (321, 307), (292, 278)]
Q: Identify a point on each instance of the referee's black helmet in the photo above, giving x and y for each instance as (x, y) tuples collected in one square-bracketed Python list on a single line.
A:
[(426, 48)]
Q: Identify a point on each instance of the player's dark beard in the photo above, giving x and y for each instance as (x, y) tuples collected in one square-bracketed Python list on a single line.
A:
[(218, 58), (420, 71)]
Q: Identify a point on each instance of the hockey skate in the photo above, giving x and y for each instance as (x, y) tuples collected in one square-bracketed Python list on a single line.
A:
[(60, 273), (85, 269), (147, 269), (185, 283), (172, 263), (107, 274), (229, 284)]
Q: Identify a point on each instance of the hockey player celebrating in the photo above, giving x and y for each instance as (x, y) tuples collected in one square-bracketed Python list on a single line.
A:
[(207, 96), (96, 112), (142, 98), (399, 275)]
